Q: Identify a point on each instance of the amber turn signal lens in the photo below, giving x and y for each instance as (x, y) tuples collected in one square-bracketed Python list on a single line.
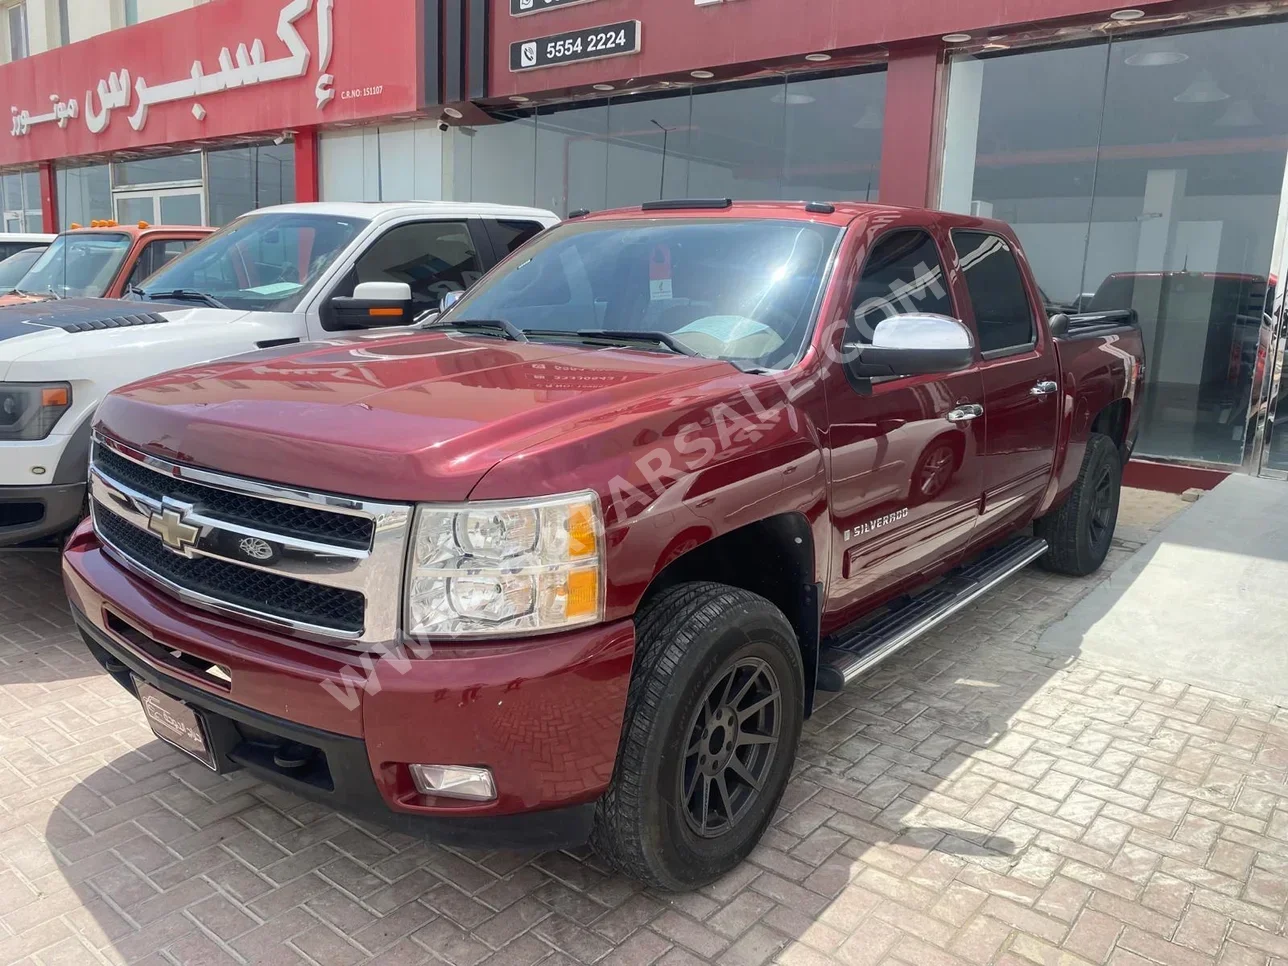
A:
[(583, 594), (56, 397), (385, 312), (581, 532)]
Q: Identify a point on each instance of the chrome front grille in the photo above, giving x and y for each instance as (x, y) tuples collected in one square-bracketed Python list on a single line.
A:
[(311, 563)]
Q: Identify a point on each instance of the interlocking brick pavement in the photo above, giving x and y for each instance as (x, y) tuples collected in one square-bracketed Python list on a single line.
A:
[(971, 802)]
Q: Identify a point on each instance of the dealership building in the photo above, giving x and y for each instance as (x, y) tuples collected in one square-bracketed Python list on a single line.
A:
[(1139, 152)]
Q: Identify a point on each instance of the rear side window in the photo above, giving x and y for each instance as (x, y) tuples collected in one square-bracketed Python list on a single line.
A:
[(903, 275), (156, 256), (1003, 314), (509, 236)]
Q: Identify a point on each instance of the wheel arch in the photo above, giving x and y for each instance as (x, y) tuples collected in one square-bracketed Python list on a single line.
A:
[(772, 557), (1114, 421)]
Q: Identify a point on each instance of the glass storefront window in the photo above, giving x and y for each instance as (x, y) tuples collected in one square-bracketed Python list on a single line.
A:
[(149, 171), (648, 149), (572, 158), (833, 135), (806, 137), (1141, 173), (84, 195), (244, 179), (22, 210)]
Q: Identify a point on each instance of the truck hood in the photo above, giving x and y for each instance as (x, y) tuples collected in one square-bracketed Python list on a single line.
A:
[(32, 326), (419, 417)]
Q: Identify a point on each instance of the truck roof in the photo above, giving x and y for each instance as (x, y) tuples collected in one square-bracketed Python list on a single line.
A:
[(440, 209), (839, 213), (137, 231), (35, 239)]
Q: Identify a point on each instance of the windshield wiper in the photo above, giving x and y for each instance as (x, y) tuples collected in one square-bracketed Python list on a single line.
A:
[(185, 295), (489, 326), (618, 336)]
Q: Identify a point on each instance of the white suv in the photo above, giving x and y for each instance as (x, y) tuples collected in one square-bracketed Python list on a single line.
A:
[(275, 277)]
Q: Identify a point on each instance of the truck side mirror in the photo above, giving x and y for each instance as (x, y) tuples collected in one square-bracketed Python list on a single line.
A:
[(374, 305), (914, 345), (450, 299)]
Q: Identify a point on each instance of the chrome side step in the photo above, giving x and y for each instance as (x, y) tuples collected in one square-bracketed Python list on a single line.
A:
[(851, 654)]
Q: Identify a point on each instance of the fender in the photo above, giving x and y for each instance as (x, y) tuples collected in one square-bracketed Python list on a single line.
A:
[(73, 465)]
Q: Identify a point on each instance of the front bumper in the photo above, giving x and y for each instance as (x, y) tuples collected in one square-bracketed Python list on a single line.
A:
[(545, 715), (33, 512)]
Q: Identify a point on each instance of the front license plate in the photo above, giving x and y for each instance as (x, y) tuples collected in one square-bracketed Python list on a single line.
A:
[(175, 723)]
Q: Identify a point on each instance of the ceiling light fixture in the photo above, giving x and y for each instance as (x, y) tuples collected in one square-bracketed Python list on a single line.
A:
[(519, 98), (603, 87), (818, 58), (453, 113), (870, 120), (701, 74), (1127, 16), (1202, 90), (1238, 114), (783, 97), (956, 38), (1156, 53)]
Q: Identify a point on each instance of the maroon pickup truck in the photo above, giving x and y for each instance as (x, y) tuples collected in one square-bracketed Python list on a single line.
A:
[(570, 564)]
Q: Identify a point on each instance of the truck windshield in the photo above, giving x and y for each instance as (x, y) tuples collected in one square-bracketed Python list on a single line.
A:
[(261, 262), (77, 265), (13, 268), (744, 290)]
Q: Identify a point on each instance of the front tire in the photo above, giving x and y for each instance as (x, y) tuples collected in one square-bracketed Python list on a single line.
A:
[(713, 719), (1080, 530)]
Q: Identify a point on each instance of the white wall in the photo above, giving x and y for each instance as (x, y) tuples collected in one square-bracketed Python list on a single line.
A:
[(85, 19), (395, 162)]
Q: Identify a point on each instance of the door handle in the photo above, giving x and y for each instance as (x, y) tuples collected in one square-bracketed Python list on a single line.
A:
[(964, 414), (1044, 388)]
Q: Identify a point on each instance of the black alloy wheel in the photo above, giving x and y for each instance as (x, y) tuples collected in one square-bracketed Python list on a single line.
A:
[(733, 740)]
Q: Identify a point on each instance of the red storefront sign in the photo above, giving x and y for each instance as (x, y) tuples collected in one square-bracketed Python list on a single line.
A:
[(220, 69)]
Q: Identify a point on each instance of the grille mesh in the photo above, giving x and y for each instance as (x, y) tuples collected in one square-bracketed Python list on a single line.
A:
[(336, 529), (270, 594)]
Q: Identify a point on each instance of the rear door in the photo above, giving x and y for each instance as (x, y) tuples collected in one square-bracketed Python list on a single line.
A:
[(906, 479), (1020, 375)]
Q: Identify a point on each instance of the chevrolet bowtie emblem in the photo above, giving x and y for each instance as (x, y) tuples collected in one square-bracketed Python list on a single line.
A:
[(171, 525)]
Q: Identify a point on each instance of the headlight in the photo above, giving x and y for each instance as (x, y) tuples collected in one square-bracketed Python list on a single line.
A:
[(32, 410), (504, 568)]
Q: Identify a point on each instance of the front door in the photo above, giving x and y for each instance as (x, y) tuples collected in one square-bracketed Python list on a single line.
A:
[(1021, 378), (906, 479)]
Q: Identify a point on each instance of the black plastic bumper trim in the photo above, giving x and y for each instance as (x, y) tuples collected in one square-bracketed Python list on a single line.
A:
[(355, 791), (63, 506)]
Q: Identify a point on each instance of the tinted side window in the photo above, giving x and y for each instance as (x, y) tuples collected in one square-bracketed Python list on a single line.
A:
[(432, 257), (903, 275), (155, 257), (1003, 313), (509, 236)]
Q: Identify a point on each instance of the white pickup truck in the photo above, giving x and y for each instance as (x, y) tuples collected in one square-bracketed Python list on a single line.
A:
[(277, 276)]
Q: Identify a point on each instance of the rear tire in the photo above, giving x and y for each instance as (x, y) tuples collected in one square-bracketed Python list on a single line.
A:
[(1080, 530), (713, 719)]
